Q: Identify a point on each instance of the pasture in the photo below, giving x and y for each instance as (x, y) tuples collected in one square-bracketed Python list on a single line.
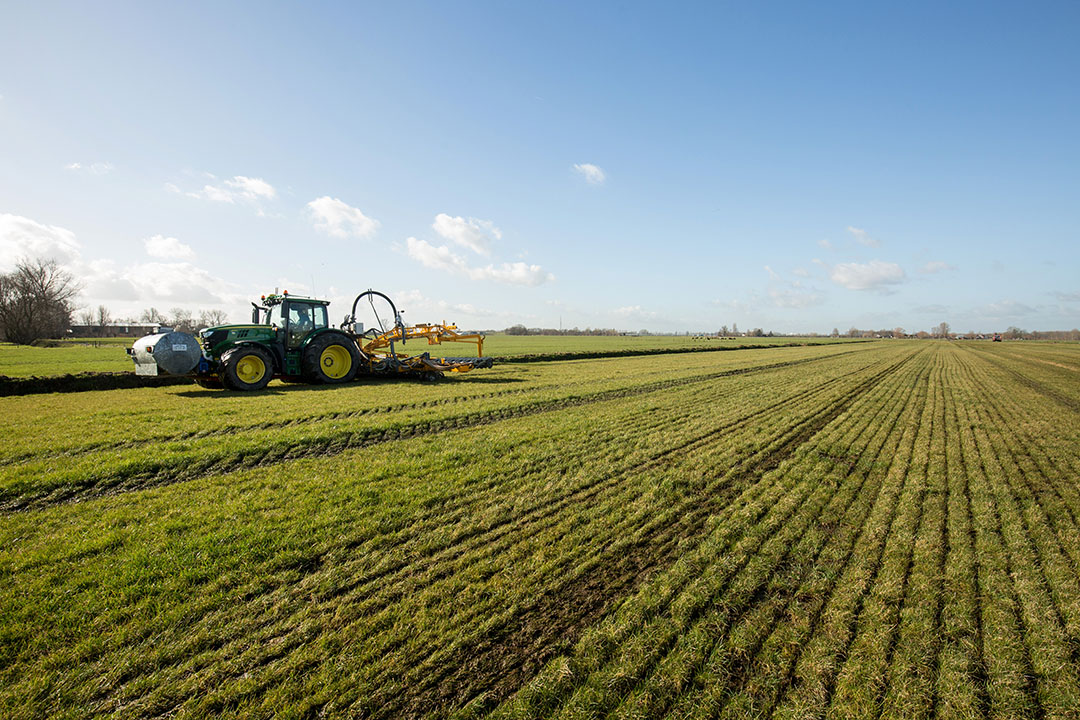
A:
[(838, 531), (105, 355)]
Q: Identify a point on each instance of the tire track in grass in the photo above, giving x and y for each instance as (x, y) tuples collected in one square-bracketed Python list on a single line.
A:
[(532, 517), (811, 680), (1031, 477), (669, 665), (779, 597), (799, 691), (1054, 480), (731, 524), (497, 666), (286, 648), (1045, 601), (754, 686), (960, 688), (916, 641), (884, 679), (149, 472), (1043, 389), (691, 615), (858, 684), (370, 581), (1010, 673)]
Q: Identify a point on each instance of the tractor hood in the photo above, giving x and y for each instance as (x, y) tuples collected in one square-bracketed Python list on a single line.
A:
[(213, 337)]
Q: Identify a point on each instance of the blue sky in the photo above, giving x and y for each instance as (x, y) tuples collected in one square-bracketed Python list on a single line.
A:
[(676, 166)]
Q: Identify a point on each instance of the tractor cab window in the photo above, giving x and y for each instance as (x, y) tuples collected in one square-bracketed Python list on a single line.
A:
[(275, 316), (303, 319)]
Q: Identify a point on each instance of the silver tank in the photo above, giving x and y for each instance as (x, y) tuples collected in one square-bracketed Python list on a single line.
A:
[(166, 353)]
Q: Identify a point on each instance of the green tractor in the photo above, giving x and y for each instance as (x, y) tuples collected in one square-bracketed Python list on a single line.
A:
[(290, 338)]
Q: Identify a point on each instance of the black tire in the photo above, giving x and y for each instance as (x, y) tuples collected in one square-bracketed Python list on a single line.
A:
[(248, 367), (210, 382), (330, 358)]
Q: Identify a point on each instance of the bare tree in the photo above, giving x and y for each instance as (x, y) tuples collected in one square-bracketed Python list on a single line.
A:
[(213, 318), (103, 319), (36, 301), (898, 332), (942, 330), (181, 320), (152, 315)]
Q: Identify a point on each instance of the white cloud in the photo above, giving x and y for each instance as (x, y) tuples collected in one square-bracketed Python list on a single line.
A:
[(238, 189), (24, 239), (443, 258), (422, 308), (935, 266), (825, 244), (785, 294), (98, 168), (156, 283), (338, 219), (795, 297), (1006, 309), (160, 246), (125, 289), (863, 237), (874, 275), (1066, 296), (477, 235), (592, 174), (634, 312), (801, 272)]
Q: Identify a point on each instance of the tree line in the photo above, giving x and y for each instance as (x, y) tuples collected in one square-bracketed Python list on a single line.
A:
[(37, 301)]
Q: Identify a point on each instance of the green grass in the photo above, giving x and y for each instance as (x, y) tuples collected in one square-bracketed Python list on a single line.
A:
[(72, 357), (882, 529), (108, 354)]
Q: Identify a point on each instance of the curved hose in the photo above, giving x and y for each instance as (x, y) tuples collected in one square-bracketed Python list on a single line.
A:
[(371, 294)]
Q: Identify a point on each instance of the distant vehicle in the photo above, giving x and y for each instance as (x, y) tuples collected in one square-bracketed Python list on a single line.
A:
[(997, 337)]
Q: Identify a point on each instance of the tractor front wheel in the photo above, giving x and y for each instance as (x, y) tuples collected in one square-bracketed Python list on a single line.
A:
[(331, 358), (247, 367)]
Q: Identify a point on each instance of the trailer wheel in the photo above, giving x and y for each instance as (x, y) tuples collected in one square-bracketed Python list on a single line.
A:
[(331, 358), (247, 367)]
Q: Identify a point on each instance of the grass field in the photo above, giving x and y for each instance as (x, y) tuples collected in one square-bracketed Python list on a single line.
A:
[(108, 354), (840, 531)]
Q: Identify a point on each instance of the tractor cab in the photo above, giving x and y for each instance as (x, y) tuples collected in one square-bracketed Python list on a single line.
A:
[(294, 317)]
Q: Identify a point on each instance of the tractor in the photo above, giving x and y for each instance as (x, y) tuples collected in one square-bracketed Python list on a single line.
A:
[(290, 337)]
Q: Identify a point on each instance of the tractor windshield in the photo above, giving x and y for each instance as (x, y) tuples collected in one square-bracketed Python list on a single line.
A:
[(303, 320), (274, 317)]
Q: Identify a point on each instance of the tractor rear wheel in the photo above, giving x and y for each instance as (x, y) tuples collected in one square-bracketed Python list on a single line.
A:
[(248, 367), (331, 358)]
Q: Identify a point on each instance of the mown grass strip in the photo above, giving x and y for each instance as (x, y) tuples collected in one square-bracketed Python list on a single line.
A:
[(33, 484)]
